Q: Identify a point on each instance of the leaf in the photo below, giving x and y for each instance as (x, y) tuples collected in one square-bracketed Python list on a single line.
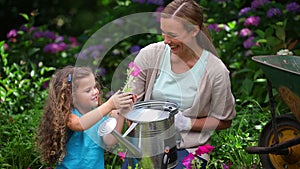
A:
[(280, 33), (273, 41), (25, 16), (260, 33)]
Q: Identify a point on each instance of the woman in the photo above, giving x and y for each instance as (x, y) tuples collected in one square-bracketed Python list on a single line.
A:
[(185, 69)]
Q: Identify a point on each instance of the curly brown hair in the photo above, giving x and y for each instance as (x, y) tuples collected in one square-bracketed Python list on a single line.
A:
[(52, 133)]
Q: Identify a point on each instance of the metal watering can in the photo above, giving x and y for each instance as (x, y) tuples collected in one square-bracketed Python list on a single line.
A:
[(154, 134)]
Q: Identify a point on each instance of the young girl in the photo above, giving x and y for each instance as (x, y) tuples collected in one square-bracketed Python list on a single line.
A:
[(74, 91)]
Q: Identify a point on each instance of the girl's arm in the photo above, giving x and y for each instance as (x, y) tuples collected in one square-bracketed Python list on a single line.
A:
[(118, 100), (109, 139)]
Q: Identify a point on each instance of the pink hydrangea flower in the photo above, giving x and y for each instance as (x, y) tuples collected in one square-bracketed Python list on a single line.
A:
[(252, 21)]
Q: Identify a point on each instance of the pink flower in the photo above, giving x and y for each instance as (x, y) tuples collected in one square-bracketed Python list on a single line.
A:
[(122, 155), (252, 21), (204, 149), (135, 70), (245, 32), (132, 72), (225, 166), (187, 160), (12, 34)]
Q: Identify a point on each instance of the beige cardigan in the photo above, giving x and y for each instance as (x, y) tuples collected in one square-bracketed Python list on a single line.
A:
[(213, 97)]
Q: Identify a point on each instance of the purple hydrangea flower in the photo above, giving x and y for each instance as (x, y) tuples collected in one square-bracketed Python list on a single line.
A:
[(46, 34), (157, 13), (273, 12), (245, 32), (59, 39), (156, 2), (252, 20), (100, 71), (73, 41), (23, 28), (54, 47), (49, 35), (293, 7), (248, 43), (257, 3), (214, 27), (119, 22), (37, 34), (12, 34), (135, 48), (95, 54), (244, 11)]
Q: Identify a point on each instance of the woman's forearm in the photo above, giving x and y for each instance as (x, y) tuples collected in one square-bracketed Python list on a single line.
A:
[(210, 124)]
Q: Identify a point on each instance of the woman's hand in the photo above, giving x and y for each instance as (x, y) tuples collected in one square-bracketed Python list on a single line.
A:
[(74, 123), (182, 123)]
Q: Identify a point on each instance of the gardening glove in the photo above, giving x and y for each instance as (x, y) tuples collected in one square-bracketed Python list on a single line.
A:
[(182, 123)]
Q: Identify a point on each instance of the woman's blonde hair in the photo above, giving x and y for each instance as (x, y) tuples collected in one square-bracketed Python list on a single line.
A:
[(190, 13)]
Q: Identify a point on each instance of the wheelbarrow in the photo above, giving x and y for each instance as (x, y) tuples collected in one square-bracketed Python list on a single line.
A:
[(279, 142)]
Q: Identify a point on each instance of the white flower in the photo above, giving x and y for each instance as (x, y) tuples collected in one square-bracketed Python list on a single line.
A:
[(284, 52)]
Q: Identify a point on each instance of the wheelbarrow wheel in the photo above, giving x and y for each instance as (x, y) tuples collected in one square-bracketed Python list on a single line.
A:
[(288, 128)]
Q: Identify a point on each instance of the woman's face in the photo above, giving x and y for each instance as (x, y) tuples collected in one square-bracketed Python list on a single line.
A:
[(86, 94), (176, 36)]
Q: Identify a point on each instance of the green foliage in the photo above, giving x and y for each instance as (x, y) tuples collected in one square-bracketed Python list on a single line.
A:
[(17, 138), (236, 48), (21, 86), (30, 45), (232, 143)]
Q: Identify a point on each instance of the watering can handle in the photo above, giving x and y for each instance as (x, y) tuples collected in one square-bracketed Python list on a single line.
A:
[(165, 158), (132, 126)]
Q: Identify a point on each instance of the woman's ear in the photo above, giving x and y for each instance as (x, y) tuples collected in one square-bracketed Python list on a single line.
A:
[(196, 30)]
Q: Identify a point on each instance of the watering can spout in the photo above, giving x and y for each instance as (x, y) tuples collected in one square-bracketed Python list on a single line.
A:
[(108, 126), (133, 149)]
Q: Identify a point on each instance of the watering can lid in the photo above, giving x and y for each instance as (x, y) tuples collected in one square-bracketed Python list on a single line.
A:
[(147, 115)]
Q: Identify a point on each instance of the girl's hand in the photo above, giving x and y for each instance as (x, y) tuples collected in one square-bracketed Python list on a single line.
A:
[(121, 100)]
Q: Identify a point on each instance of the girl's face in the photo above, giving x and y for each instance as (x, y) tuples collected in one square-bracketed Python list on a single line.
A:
[(176, 36), (86, 94)]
